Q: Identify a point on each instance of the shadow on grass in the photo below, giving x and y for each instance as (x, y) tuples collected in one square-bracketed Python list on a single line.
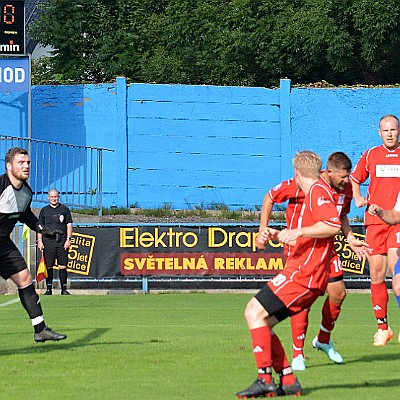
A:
[(367, 384), (69, 344), (362, 359)]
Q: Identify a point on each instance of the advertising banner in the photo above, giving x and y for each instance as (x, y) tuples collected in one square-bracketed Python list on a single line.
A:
[(14, 74), (220, 250)]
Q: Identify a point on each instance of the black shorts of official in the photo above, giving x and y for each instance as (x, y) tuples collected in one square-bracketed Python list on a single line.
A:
[(11, 260), (53, 251), (272, 303)]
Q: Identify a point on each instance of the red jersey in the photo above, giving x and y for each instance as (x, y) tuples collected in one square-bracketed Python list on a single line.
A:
[(382, 167), (288, 191), (309, 263), (342, 198)]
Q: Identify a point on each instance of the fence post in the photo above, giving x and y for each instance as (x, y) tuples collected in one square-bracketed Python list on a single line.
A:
[(100, 183), (286, 130), (122, 141), (145, 285)]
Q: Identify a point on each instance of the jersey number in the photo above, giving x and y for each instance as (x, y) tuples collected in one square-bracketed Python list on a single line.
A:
[(278, 280)]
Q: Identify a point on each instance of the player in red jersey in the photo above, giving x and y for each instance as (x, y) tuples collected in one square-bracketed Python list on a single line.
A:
[(302, 281), (336, 176), (381, 164), (391, 217)]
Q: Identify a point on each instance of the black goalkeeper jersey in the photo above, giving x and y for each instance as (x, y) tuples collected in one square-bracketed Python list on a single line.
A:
[(15, 205)]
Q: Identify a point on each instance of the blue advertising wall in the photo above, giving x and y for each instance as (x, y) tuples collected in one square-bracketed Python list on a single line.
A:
[(199, 146), (327, 120), (190, 145)]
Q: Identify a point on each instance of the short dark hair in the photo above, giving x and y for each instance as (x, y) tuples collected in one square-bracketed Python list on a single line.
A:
[(53, 190), (339, 160), (11, 153)]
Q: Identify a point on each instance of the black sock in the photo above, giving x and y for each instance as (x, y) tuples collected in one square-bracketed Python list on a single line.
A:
[(31, 302), (62, 273), (49, 279)]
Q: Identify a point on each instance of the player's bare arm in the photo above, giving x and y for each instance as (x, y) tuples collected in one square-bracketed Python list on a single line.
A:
[(320, 230), (359, 199), (391, 217), (360, 248), (67, 243), (266, 210), (271, 234), (289, 236)]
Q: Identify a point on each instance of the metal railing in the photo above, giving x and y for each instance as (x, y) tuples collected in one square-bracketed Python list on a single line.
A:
[(76, 171)]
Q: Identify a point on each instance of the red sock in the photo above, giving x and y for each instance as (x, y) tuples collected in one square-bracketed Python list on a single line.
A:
[(379, 298), (330, 314), (261, 342), (299, 324), (280, 362)]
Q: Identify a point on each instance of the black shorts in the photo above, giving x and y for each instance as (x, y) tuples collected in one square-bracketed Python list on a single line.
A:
[(336, 279), (11, 260), (272, 303), (53, 251)]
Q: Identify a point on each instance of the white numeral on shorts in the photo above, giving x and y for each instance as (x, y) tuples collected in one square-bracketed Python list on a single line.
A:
[(278, 280), (397, 237), (338, 264)]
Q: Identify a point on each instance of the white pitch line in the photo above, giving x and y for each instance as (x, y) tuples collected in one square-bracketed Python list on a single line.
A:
[(9, 302)]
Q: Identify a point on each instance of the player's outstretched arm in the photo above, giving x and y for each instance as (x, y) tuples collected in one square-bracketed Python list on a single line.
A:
[(360, 248), (270, 234), (320, 230), (391, 217)]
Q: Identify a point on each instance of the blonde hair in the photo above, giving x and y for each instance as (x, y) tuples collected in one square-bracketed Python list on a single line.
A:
[(308, 164)]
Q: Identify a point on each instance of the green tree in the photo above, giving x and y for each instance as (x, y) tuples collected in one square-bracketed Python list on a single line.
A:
[(221, 42), (343, 42)]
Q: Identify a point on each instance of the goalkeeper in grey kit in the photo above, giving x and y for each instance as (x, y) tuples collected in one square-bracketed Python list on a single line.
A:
[(15, 205)]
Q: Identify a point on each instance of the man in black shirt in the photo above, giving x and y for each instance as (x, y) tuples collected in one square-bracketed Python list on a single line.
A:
[(56, 217), (15, 205)]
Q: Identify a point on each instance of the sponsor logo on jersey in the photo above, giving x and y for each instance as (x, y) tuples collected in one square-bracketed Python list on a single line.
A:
[(322, 200), (388, 171), (392, 155)]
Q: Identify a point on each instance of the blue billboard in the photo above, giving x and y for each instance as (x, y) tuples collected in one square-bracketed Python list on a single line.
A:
[(14, 74)]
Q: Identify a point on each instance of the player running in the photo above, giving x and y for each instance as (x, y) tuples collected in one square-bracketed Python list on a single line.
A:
[(296, 287), (336, 177), (15, 205)]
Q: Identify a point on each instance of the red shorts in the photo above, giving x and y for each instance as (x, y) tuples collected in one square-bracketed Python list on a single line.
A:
[(382, 237), (335, 269), (282, 298)]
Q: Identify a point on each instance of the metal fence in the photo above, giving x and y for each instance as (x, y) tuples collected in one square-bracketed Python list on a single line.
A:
[(76, 171)]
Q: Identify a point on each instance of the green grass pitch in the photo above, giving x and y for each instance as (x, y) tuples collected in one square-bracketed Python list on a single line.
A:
[(180, 346)]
